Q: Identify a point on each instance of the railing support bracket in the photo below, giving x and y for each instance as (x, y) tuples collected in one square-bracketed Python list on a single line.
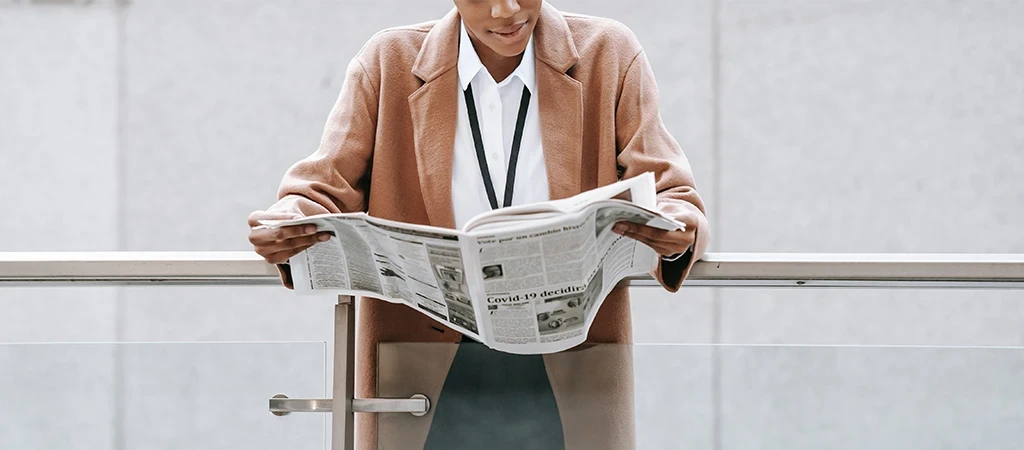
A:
[(417, 405)]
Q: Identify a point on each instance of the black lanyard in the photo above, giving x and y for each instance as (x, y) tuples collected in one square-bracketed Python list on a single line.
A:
[(517, 140)]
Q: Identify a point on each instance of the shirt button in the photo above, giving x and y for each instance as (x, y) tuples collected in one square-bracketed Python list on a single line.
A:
[(494, 155), (492, 106)]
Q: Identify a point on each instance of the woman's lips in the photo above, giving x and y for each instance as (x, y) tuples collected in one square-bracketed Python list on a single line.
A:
[(510, 32)]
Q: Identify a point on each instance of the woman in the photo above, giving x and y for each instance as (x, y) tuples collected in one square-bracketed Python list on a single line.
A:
[(428, 121)]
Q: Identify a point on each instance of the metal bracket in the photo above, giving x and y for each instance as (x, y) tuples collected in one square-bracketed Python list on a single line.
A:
[(417, 405)]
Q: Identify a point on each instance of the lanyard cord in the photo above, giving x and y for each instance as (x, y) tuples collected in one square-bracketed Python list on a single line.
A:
[(481, 158)]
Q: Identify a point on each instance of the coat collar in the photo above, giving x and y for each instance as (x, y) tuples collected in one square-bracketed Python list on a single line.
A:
[(434, 109)]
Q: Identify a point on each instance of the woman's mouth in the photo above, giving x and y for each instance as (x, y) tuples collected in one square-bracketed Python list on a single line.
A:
[(512, 32)]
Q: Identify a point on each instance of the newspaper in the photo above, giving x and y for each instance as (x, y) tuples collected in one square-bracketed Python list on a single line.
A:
[(526, 279)]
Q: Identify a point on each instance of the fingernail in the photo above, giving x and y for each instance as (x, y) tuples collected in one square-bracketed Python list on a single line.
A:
[(324, 237), (310, 230), (619, 228)]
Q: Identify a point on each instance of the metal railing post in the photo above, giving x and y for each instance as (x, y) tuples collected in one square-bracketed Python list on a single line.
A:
[(342, 417)]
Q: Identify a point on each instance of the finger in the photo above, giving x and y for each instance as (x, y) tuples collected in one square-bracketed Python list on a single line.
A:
[(661, 250), (664, 250), (646, 232), (669, 250), (668, 237), (293, 231), (679, 241), (287, 249), (267, 235), (256, 216), (275, 246), (283, 256)]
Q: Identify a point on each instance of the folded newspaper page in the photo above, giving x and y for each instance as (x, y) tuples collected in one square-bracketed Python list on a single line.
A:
[(525, 279)]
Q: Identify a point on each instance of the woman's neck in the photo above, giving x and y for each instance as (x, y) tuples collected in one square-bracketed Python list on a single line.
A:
[(499, 66)]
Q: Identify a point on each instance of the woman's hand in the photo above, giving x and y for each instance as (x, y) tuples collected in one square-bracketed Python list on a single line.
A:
[(278, 245), (666, 243)]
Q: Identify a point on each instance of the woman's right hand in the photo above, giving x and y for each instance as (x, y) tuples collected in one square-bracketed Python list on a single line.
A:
[(279, 244)]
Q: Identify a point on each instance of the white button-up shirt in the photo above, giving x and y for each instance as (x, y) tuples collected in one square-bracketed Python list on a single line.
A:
[(497, 107)]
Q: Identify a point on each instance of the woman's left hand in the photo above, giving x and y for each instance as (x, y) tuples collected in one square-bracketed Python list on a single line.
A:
[(666, 243)]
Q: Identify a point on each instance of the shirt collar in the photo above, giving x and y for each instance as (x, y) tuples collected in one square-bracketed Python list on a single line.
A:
[(470, 64)]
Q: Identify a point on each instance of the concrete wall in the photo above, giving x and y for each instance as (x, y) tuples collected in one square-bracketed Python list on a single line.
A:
[(813, 126)]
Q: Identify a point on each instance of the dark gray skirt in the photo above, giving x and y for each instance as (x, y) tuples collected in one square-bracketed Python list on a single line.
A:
[(494, 400)]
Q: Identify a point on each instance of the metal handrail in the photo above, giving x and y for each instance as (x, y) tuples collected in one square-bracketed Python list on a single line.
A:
[(715, 269)]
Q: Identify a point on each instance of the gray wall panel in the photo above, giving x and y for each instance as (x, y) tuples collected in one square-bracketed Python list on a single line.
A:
[(58, 128), (872, 126)]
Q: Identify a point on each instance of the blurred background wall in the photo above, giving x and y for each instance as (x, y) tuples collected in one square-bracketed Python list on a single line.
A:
[(812, 126)]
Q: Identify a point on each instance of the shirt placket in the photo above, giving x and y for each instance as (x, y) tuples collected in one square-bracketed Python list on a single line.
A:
[(494, 138)]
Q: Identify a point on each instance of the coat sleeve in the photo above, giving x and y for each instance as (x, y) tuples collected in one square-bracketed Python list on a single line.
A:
[(336, 177), (647, 146)]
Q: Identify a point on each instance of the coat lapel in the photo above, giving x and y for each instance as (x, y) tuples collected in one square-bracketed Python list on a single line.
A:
[(434, 109), (561, 104)]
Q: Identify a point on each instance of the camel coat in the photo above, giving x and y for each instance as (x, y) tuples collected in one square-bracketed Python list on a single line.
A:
[(387, 149)]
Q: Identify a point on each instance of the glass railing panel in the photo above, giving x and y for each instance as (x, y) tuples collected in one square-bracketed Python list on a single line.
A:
[(728, 397), (160, 395), (845, 397)]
